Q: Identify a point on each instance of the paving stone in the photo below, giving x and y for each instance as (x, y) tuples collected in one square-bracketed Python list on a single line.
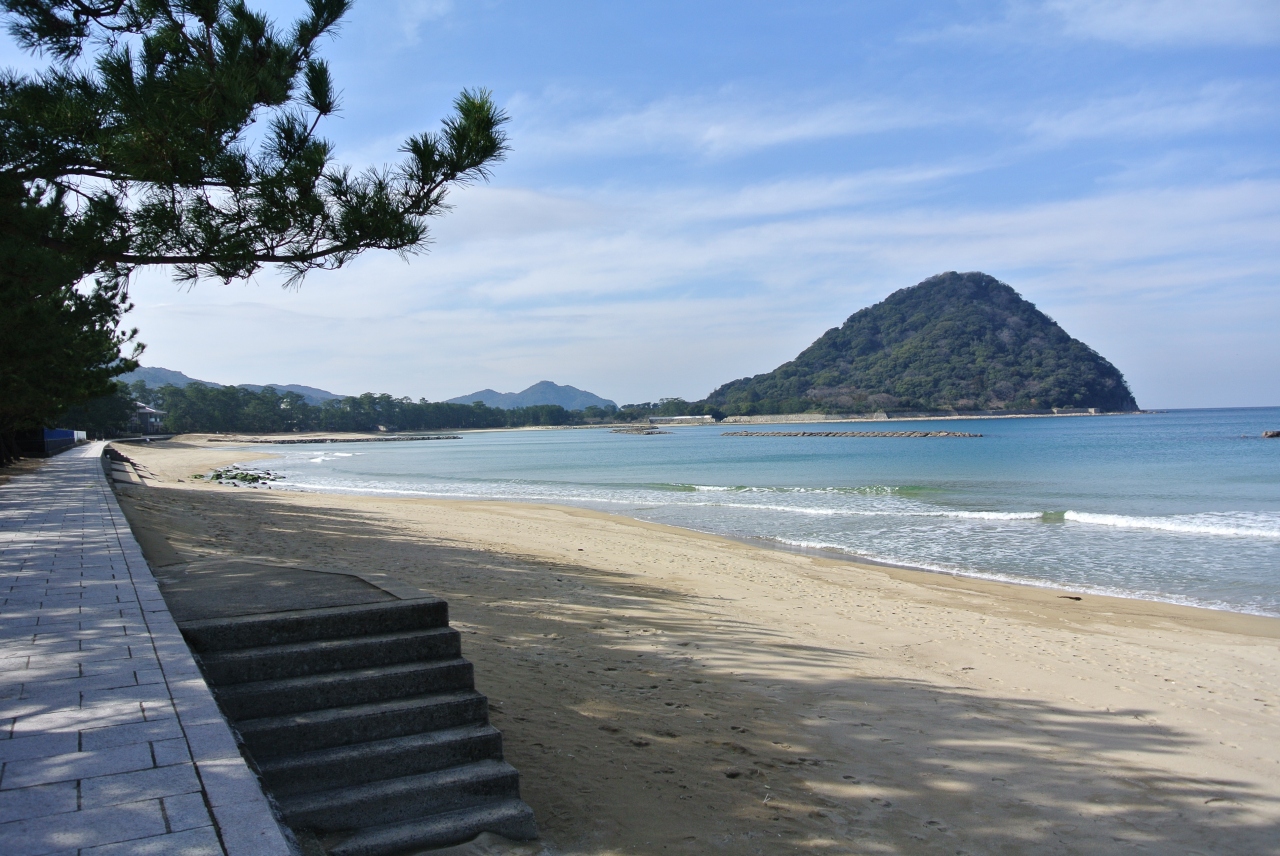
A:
[(34, 719), (211, 741), (186, 811), (145, 694), (78, 829), (249, 828), (168, 752), (38, 746), (228, 781), (77, 765), (37, 801), (133, 732), (42, 672), (152, 783), (39, 688), (192, 842)]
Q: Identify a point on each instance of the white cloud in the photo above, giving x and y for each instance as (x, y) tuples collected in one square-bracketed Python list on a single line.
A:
[(1133, 23), (1171, 22), (724, 125), (633, 303), (1218, 107), (413, 14)]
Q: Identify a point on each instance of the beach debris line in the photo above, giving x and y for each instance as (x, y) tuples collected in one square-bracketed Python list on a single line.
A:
[(848, 434), (293, 440)]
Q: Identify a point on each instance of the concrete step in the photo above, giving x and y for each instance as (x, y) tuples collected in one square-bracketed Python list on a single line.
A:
[(403, 799), (273, 662), (339, 689), (291, 734), (359, 763), (365, 725), (510, 818), (125, 473), (305, 625)]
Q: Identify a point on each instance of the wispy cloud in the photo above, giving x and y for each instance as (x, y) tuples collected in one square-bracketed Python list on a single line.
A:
[(1171, 22), (1133, 23), (719, 125), (413, 14), (633, 304), (1219, 107)]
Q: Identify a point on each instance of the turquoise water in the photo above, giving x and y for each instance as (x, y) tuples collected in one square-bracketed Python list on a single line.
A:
[(1181, 506)]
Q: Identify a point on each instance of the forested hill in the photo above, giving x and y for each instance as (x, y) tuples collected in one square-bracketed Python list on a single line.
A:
[(542, 392), (957, 341), (156, 377)]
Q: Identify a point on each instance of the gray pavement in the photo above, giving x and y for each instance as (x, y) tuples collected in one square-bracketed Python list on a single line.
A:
[(110, 741)]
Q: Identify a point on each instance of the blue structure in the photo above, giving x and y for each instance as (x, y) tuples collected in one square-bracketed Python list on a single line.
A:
[(47, 442)]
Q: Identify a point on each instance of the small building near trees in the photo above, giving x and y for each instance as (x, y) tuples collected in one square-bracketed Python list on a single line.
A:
[(146, 420)]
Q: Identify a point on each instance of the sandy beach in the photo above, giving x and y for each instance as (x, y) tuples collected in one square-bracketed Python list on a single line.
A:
[(663, 691)]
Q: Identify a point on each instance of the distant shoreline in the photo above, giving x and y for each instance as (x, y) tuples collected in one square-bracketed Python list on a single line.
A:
[(817, 418), (295, 438)]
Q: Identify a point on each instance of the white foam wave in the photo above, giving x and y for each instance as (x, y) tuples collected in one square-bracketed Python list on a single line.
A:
[(984, 515), (880, 512), (865, 490), (1016, 579), (1239, 525)]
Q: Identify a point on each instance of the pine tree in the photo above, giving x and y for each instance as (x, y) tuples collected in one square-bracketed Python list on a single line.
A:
[(184, 133)]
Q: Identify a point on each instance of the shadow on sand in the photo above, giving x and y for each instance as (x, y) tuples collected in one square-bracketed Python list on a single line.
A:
[(644, 721)]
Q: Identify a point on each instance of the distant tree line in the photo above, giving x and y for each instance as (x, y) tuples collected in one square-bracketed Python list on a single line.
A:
[(200, 409), (667, 407), (197, 408)]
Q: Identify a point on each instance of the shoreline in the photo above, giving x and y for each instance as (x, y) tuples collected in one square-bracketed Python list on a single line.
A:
[(770, 543), (662, 690), (834, 554), (818, 418)]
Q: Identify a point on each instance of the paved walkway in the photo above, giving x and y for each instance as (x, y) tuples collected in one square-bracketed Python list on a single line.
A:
[(110, 742)]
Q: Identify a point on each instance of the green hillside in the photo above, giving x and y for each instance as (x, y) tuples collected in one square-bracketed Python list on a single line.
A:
[(957, 341)]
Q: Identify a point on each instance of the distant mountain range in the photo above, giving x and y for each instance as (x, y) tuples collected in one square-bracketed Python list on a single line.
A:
[(542, 392), (957, 341), (156, 377)]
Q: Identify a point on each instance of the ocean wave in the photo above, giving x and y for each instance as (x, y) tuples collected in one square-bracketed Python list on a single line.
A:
[(863, 490), (1234, 525), (1113, 590), (878, 512), (982, 515)]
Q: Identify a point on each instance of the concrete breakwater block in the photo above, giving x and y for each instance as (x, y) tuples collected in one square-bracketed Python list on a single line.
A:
[(365, 725)]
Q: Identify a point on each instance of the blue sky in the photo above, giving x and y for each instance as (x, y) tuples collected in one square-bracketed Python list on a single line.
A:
[(696, 191)]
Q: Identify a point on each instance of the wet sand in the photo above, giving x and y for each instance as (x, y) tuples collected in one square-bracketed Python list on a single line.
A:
[(663, 691)]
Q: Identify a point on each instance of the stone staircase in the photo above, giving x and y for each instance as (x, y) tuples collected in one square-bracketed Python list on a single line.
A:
[(365, 725)]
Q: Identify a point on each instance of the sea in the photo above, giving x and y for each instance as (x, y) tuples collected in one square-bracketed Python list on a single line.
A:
[(1180, 506)]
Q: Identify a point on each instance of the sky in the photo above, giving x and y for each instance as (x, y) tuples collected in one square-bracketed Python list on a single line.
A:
[(697, 191)]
